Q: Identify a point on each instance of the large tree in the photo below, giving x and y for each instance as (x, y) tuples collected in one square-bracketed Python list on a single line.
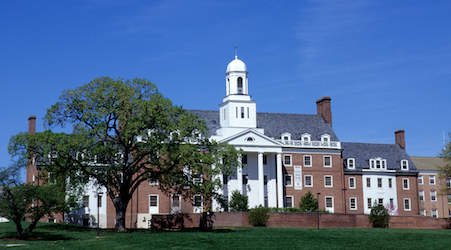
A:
[(445, 170), (19, 200), (125, 133)]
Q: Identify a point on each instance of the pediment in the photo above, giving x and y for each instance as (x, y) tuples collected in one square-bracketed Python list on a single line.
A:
[(251, 137)]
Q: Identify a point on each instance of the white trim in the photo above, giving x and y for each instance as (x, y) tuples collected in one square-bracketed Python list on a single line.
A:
[(422, 180), (433, 194), (324, 161), (432, 177), (404, 204), (404, 165), (305, 180), (154, 209), (292, 200), (331, 181), (310, 160), (355, 203), (286, 136), (349, 162), (330, 209), (421, 195), (349, 183), (306, 137), (408, 184), (434, 213), (284, 161), (285, 180)]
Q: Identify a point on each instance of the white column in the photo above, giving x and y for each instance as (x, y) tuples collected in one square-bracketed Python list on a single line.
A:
[(261, 178), (279, 180), (239, 177)]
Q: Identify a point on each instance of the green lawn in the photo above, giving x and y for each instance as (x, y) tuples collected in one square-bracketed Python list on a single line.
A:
[(60, 236)]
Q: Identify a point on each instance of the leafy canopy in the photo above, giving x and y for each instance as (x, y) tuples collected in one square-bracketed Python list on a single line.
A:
[(126, 133)]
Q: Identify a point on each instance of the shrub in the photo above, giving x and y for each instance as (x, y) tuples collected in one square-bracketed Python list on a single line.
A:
[(283, 210), (308, 203), (258, 216), (238, 202), (379, 216)]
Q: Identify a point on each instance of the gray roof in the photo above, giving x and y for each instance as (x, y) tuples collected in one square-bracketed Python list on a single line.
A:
[(363, 152), (275, 124)]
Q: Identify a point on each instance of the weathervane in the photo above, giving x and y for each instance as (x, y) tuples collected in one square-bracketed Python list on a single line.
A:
[(236, 53)]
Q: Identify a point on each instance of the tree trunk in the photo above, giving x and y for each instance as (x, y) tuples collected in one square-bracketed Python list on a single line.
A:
[(120, 215)]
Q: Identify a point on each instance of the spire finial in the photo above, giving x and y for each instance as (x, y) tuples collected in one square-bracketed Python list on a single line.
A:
[(236, 53)]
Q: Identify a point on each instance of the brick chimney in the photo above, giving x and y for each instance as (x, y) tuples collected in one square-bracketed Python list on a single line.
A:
[(32, 125), (323, 108), (399, 137)]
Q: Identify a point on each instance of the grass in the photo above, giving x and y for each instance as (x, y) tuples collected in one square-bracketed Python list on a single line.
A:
[(60, 236)]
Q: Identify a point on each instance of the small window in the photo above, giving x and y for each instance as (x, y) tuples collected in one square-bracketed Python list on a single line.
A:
[(353, 203), (351, 163), (328, 181), (404, 165), (434, 213), (449, 198), (307, 160), (368, 182), (288, 201), (421, 195), (288, 180), (250, 139), (379, 182), (153, 200), (287, 160), (286, 136), (433, 196), (51, 220), (420, 180), (197, 178), (242, 112), (86, 201), (197, 200), (352, 182), (423, 212), (327, 161), (369, 204), (448, 183), (244, 159), (306, 138), (176, 200), (380, 201), (308, 180), (407, 204), (99, 201), (329, 202), (405, 183), (390, 183), (431, 180), (392, 201)]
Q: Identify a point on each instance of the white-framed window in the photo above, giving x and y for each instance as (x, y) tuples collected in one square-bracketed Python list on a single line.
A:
[(449, 199), (328, 181), (288, 201), (407, 204), (288, 180), (434, 213), (379, 182), (152, 181), (327, 161), (421, 195), (308, 180), (352, 182), (390, 183), (329, 201), (405, 165), (286, 136), (448, 183), (380, 201), (197, 178), (325, 139), (423, 212), (369, 204), (405, 184), (51, 220), (153, 204), (431, 180), (307, 160), (378, 164), (175, 201), (99, 201), (433, 196), (392, 201), (368, 182), (351, 163), (420, 180), (306, 138), (353, 203), (197, 200), (287, 160)]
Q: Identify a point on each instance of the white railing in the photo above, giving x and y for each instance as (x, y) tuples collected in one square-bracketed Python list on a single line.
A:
[(310, 144)]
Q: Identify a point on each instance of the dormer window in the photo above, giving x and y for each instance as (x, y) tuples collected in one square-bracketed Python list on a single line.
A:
[(351, 163), (378, 164), (404, 165), (325, 139), (286, 136), (250, 139)]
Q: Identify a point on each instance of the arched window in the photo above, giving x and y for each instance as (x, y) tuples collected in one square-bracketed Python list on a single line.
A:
[(240, 85)]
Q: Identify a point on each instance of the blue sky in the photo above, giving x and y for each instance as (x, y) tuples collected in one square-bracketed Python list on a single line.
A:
[(385, 64)]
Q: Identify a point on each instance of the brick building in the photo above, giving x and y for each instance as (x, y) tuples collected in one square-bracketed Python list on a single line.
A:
[(285, 156)]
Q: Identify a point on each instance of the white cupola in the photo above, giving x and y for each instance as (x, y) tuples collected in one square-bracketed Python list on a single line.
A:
[(237, 111), (236, 77)]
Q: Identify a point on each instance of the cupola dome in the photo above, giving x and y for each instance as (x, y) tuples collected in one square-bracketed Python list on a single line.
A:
[(236, 65)]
